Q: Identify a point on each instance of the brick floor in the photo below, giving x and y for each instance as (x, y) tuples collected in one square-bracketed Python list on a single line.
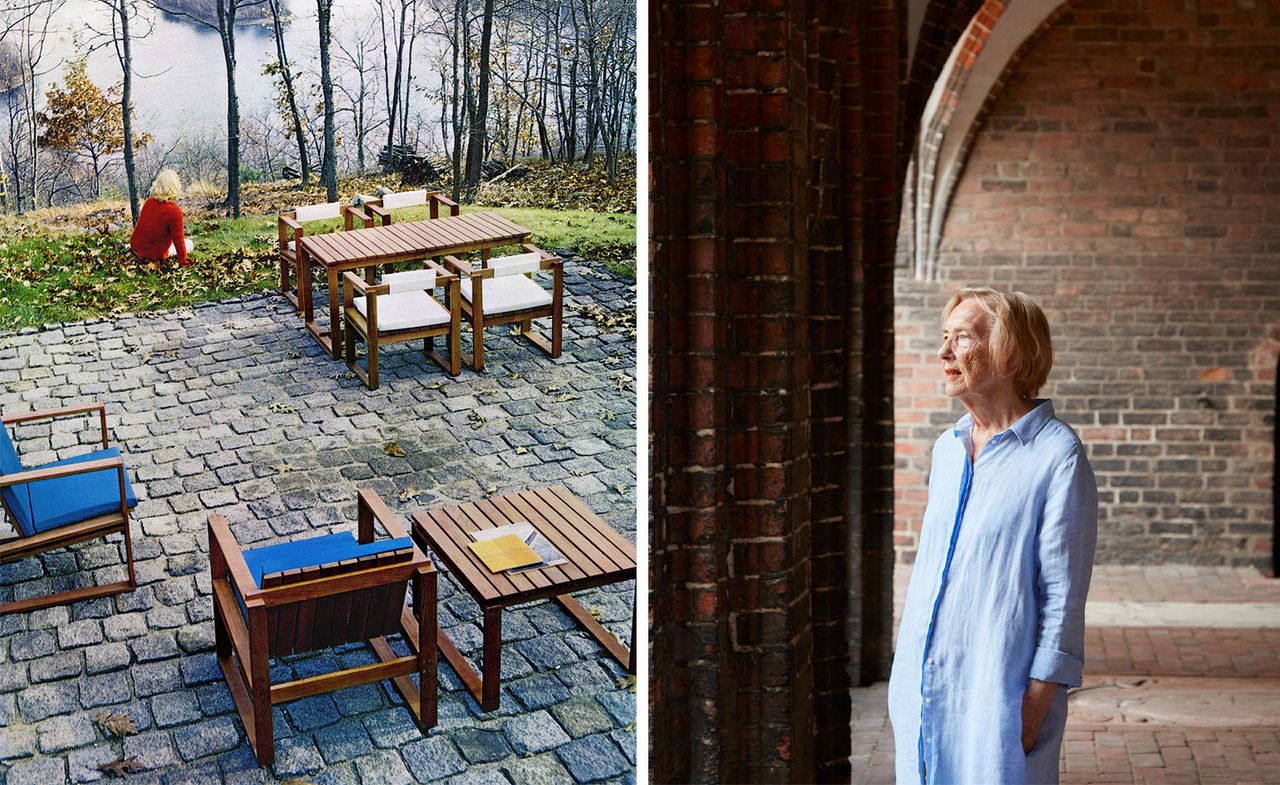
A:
[(1205, 662), (231, 407)]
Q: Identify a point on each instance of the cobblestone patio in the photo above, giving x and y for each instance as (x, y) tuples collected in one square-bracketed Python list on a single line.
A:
[(232, 407)]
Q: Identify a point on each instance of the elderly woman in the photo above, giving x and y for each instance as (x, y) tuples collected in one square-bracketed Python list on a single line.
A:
[(158, 233), (992, 634)]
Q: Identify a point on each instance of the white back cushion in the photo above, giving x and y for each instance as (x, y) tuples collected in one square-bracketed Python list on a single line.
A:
[(404, 199), (515, 265), (318, 212), (410, 280)]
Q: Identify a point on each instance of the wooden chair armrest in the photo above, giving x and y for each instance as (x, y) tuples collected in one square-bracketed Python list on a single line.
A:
[(440, 198), (289, 223), (457, 265), (49, 414), (368, 501), (358, 284), (221, 540), (377, 210), (66, 470), (443, 276), (349, 213)]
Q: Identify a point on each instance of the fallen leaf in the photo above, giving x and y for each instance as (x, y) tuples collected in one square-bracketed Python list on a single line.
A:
[(121, 767), (394, 450), (117, 723), (628, 682), (281, 407), (409, 494)]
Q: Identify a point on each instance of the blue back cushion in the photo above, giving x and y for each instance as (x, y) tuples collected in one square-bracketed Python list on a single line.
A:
[(314, 551), (9, 463)]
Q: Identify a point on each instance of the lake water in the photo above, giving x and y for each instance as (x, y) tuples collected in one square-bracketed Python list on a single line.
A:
[(180, 81)]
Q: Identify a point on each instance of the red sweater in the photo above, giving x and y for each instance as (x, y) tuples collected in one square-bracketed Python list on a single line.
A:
[(159, 226)]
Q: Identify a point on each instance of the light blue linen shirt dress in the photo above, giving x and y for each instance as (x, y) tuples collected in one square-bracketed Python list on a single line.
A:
[(996, 598)]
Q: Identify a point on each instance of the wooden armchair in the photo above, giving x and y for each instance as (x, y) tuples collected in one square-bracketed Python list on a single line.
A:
[(315, 594), (401, 308), (290, 231), (380, 207), (63, 503), (502, 290)]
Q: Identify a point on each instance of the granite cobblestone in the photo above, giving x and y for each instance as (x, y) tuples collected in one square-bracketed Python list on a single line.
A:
[(190, 410)]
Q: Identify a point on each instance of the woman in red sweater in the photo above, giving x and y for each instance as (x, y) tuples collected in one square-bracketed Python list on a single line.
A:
[(158, 234)]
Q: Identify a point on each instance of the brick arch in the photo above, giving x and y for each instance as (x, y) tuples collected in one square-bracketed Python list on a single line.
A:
[(996, 39)]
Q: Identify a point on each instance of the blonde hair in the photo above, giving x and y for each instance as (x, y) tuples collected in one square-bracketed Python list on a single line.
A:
[(1020, 343), (167, 187)]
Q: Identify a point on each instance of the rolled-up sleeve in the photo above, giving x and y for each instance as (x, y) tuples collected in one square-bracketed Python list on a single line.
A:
[(1067, 536)]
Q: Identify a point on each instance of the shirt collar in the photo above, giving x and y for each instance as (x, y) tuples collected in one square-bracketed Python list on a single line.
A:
[(1025, 428)]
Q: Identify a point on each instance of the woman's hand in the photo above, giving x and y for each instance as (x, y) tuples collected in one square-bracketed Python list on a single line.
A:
[(1035, 705)]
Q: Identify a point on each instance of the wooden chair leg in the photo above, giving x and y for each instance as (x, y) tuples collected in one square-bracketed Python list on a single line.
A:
[(455, 351), (428, 652), (128, 553), (260, 690), (477, 340), (557, 333), (372, 345)]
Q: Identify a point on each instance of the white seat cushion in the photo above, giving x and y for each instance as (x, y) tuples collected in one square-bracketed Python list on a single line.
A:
[(406, 311), (289, 245), (511, 293)]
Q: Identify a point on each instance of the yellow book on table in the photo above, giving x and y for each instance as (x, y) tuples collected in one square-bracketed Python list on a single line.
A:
[(503, 553)]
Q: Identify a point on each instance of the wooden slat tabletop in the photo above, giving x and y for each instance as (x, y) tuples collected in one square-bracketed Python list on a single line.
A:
[(595, 554), (450, 234)]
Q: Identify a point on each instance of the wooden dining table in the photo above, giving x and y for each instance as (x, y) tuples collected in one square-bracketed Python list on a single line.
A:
[(338, 252)]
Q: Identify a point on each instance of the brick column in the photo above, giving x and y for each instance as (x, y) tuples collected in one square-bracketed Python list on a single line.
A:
[(775, 146)]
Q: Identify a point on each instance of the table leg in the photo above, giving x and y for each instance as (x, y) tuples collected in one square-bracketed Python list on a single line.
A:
[(335, 323), (492, 666), (626, 658)]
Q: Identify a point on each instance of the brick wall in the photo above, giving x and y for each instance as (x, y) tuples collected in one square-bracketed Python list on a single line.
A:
[(1129, 176)]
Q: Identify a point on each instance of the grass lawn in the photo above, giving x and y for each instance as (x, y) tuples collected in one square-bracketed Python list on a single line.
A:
[(55, 276)]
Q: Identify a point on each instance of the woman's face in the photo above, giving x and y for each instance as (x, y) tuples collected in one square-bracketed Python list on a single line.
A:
[(965, 352)]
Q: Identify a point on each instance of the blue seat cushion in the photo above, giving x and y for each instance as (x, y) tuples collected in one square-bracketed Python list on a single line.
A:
[(45, 505), (315, 551)]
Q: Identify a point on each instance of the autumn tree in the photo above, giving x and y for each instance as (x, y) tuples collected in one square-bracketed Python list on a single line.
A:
[(81, 120)]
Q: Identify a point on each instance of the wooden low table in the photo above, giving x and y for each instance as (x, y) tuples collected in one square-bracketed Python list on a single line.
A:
[(595, 554)]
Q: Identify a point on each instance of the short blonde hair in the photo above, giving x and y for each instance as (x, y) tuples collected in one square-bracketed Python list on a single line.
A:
[(167, 187), (1019, 337)]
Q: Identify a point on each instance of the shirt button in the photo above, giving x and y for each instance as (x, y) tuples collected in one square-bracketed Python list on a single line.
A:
[(928, 739), (928, 700), (929, 661)]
